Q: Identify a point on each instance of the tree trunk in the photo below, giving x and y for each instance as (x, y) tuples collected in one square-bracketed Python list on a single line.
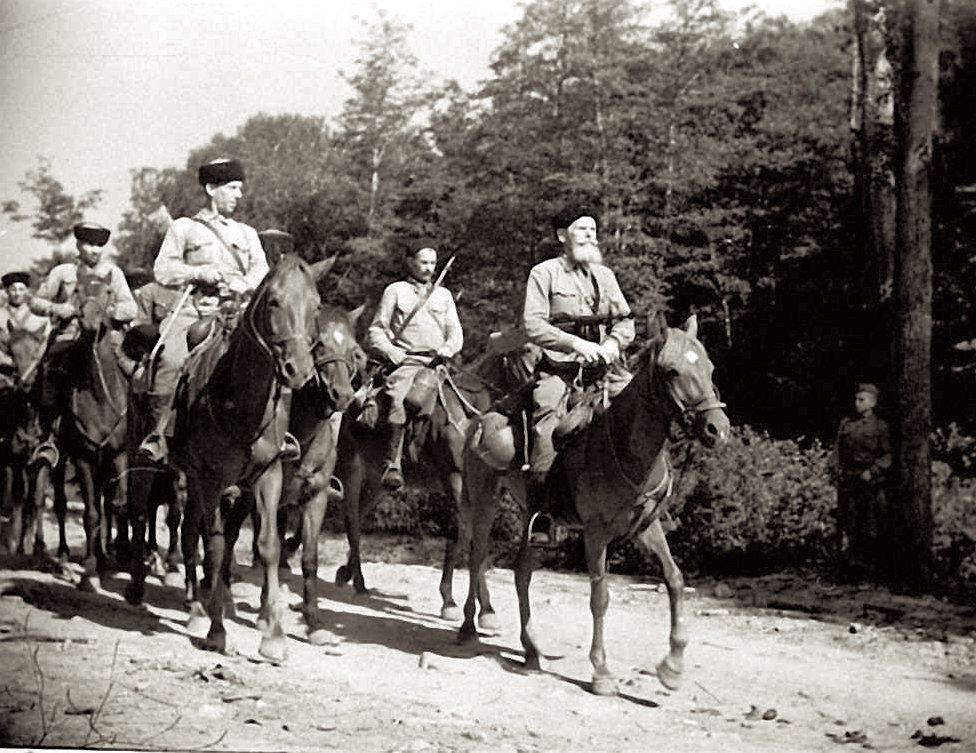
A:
[(916, 120)]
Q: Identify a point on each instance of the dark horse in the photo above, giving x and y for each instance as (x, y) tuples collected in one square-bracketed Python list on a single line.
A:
[(93, 430), (230, 430), (436, 443), (19, 435), (611, 479), (315, 411)]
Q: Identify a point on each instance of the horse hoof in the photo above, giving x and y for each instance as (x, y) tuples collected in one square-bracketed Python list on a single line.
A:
[(134, 593), (488, 623), (156, 567), (274, 649), (532, 664), (451, 613), (669, 677), (322, 637), (467, 635), (291, 544), (39, 549), (605, 685), (64, 556), (197, 621), (342, 576), (173, 579), (90, 584), (216, 640)]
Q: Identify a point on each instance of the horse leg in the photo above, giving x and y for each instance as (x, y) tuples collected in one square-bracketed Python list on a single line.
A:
[(174, 515), (595, 544), (139, 488), (313, 512), (92, 562), (267, 492), (479, 522), (255, 530), (15, 529), (353, 480), (671, 667), (190, 542), (56, 476), (215, 541)]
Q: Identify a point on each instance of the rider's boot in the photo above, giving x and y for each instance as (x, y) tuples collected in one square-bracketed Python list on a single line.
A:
[(392, 477), (154, 446)]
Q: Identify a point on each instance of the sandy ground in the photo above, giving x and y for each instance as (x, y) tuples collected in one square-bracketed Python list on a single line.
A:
[(781, 663)]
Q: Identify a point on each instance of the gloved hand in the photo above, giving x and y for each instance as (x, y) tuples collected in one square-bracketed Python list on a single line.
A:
[(209, 275)]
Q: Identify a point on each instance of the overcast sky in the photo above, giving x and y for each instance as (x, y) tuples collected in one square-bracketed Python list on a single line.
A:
[(103, 86)]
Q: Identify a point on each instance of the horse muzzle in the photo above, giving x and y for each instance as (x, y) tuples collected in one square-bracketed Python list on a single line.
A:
[(712, 427)]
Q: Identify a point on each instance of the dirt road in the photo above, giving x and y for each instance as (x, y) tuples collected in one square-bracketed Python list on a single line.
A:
[(782, 663)]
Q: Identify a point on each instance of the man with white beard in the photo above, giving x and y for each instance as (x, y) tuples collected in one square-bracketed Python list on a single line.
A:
[(577, 315)]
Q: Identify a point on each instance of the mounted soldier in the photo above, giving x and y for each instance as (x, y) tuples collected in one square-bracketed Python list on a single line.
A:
[(15, 313), (209, 249), (579, 322), (416, 323), (56, 297)]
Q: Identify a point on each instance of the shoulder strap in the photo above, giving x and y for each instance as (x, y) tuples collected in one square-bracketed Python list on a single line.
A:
[(229, 246)]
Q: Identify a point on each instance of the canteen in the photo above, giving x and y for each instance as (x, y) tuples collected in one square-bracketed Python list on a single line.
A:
[(494, 441), (422, 394)]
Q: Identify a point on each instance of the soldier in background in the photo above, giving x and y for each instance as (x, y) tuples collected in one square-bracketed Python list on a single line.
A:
[(861, 461)]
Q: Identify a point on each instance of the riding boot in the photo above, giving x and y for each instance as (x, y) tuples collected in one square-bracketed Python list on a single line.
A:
[(154, 446), (392, 474)]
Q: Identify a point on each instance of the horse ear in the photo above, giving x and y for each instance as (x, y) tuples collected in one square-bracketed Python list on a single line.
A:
[(356, 313), (321, 268), (691, 326), (657, 326)]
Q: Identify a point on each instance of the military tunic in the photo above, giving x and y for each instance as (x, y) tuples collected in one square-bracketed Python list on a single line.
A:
[(434, 327), (863, 444), (206, 241), (17, 319), (556, 289)]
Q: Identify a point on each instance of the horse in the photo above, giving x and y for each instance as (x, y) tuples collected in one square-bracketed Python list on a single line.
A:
[(436, 443), (19, 435), (93, 431), (611, 479), (310, 484), (230, 427), (150, 485)]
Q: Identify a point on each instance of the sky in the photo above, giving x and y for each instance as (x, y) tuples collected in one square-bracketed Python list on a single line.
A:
[(101, 87)]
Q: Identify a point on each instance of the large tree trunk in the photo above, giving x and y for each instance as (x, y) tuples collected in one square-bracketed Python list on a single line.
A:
[(916, 115)]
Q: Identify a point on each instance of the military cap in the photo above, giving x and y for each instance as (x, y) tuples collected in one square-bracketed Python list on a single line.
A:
[(14, 277), (867, 387), (220, 171), (568, 214), (419, 244), (91, 233)]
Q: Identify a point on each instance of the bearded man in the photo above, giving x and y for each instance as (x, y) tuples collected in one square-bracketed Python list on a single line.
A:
[(577, 315)]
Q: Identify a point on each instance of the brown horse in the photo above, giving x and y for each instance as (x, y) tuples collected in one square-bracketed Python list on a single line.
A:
[(229, 432), (19, 435), (93, 430), (309, 484), (611, 479)]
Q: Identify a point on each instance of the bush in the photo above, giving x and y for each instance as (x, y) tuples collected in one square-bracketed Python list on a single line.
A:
[(954, 529)]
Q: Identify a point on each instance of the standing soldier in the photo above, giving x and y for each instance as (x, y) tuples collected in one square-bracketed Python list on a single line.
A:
[(861, 460), (416, 322), (576, 313), (209, 248), (54, 298)]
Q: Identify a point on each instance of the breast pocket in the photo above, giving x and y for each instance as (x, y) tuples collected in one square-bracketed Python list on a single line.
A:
[(198, 253), (564, 303)]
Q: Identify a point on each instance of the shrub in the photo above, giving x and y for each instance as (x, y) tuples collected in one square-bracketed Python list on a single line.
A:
[(954, 529)]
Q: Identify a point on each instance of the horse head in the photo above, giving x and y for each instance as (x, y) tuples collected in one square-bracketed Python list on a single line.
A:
[(92, 300), (686, 370), (338, 356), (282, 317), (26, 348)]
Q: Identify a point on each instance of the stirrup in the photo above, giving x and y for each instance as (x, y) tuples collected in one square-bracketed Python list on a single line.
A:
[(46, 452), (544, 533), (154, 448), (290, 449), (392, 477)]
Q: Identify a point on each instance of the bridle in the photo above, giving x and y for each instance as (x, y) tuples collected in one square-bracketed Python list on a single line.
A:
[(270, 347), (709, 401)]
